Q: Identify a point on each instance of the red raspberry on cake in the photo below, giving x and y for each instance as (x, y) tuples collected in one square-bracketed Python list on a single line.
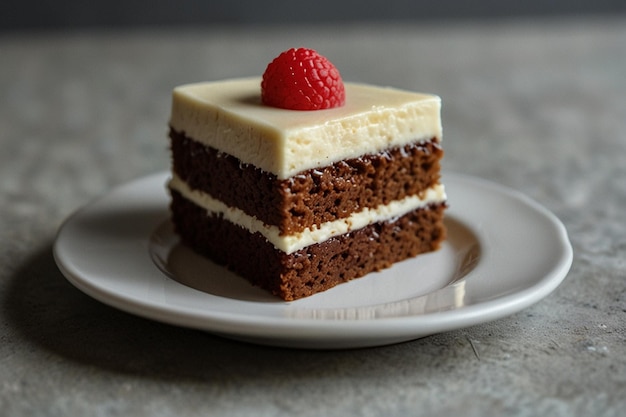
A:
[(302, 79)]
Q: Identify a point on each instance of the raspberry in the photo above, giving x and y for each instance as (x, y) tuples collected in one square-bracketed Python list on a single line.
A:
[(301, 79)]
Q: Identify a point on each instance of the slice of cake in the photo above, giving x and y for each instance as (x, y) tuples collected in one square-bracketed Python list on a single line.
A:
[(298, 201)]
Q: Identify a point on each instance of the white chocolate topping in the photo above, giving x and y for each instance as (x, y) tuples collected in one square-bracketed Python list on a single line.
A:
[(229, 117)]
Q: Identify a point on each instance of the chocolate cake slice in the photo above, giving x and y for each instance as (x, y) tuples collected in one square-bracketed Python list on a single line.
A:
[(300, 201)]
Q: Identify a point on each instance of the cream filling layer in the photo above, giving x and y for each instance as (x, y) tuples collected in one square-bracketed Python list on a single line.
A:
[(316, 234)]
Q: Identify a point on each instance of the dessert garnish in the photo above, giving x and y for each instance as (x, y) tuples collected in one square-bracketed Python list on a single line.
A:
[(302, 79)]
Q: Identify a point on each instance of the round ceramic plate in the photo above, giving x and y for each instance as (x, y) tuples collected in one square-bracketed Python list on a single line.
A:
[(503, 253)]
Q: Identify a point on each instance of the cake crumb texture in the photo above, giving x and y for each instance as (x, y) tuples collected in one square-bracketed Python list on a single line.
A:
[(314, 196), (317, 267)]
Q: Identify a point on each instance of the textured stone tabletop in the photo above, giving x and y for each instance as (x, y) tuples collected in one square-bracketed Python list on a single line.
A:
[(536, 106)]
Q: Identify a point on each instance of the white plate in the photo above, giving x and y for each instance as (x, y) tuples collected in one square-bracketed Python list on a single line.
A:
[(504, 252)]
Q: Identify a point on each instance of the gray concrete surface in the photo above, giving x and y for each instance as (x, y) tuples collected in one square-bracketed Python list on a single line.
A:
[(539, 106)]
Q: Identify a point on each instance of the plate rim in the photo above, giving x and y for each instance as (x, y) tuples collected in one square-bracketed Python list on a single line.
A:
[(343, 333)]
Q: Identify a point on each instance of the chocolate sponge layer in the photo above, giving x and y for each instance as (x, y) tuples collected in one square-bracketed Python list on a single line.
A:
[(317, 267), (311, 197)]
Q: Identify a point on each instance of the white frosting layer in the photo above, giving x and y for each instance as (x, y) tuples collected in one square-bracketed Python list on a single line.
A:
[(229, 117), (292, 243)]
